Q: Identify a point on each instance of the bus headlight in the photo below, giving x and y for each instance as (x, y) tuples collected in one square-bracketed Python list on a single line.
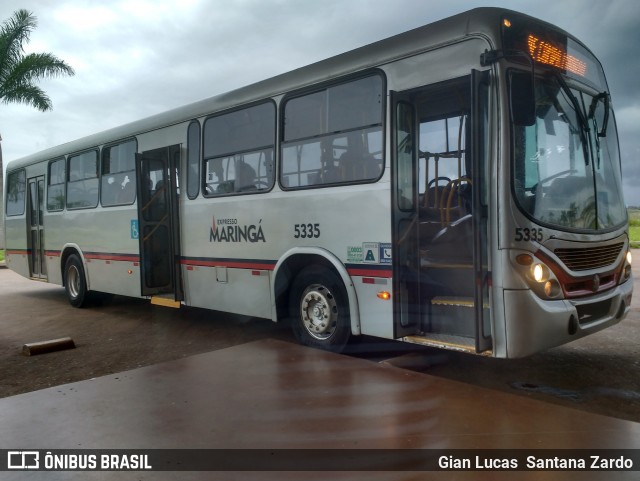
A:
[(626, 269), (538, 276), (552, 289), (539, 272), (545, 283)]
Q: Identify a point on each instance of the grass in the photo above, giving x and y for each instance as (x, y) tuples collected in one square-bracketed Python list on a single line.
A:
[(1, 255), (634, 227)]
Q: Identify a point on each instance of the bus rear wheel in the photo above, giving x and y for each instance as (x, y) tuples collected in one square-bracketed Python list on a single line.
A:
[(319, 309), (75, 281)]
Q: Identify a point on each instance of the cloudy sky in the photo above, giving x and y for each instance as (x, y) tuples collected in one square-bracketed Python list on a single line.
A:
[(135, 58)]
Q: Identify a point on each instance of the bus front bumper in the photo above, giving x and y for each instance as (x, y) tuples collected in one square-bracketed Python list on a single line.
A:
[(533, 324)]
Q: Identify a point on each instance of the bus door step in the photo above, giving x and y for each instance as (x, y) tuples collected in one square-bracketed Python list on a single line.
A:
[(453, 301), (456, 302), (446, 341), (451, 315), (165, 301)]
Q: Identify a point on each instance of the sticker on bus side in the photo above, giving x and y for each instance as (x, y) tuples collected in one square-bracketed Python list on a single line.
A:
[(385, 253), (135, 234), (354, 254), (370, 253)]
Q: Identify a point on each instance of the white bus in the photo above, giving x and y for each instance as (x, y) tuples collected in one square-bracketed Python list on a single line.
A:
[(457, 185)]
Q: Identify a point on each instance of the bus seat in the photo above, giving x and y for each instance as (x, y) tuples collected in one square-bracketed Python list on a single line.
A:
[(433, 196), (357, 167), (454, 241), (245, 177), (331, 174)]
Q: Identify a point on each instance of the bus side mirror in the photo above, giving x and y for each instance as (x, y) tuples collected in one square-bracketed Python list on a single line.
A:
[(522, 99)]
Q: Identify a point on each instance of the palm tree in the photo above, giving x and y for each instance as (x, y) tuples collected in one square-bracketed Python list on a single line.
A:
[(19, 72)]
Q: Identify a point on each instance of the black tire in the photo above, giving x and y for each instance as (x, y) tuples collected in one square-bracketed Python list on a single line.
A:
[(319, 309), (75, 282)]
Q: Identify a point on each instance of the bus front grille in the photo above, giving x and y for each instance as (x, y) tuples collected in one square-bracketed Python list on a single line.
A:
[(589, 257)]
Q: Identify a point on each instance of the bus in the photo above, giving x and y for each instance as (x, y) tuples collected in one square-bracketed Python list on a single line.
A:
[(457, 186)]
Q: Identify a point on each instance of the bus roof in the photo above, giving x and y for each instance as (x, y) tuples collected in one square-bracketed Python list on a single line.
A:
[(480, 21)]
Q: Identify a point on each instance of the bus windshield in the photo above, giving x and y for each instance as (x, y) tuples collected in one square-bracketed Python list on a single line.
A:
[(567, 164)]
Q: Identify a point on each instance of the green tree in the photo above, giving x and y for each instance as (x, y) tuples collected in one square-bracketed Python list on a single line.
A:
[(19, 73)]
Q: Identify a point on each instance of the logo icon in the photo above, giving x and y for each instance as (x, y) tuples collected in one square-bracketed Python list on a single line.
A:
[(23, 460)]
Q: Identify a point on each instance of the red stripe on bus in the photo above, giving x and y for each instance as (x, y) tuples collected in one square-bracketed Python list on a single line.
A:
[(374, 272), (364, 272), (225, 263), (17, 252), (112, 257)]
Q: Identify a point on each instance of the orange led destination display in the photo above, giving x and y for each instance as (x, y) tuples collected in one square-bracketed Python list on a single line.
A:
[(544, 52)]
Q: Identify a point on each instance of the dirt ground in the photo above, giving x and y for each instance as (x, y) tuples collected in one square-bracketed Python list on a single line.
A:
[(120, 335), (599, 374)]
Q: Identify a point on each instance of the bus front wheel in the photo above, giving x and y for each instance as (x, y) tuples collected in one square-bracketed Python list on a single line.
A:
[(75, 281), (319, 309)]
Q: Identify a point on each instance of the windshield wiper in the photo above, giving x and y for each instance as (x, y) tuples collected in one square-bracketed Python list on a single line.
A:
[(579, 113), (592, 111), (600, 132)]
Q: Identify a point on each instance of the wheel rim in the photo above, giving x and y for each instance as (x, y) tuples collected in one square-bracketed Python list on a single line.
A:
[(73, 281), (319, 312)]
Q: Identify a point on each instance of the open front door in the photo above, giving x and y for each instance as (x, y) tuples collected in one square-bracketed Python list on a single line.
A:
[(159, 222), (407, 308), (441, 273), (480, 198)]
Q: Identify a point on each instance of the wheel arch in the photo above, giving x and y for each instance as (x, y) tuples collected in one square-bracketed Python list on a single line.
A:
[(67, 251), (290, 265)]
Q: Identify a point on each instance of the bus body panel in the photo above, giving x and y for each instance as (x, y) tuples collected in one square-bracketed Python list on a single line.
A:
[(17, 254), (52, 222), (114, 275), (460, 57), (109, 253), (257, 232), (241, 291)]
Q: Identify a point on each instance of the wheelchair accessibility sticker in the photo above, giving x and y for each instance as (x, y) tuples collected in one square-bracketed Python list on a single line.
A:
[(135, 234)]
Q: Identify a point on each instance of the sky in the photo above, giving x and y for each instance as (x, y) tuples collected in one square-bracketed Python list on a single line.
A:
[(136, 58)]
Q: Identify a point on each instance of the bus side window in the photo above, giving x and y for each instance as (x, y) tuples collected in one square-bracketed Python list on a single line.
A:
[(334, 135), (82, 186), (119, 174), (55, 187), (193, 160), (238, 150), (16, 188)]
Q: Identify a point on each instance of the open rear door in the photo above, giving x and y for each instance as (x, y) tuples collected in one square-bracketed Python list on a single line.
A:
[(35, 221)]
